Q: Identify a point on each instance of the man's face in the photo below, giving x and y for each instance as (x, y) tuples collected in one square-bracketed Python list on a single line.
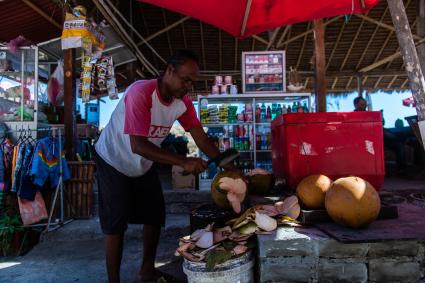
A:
[(361, 105), (180, 80)]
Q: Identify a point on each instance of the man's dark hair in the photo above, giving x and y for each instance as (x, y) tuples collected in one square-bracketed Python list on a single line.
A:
[(181, 56), (358, 99)]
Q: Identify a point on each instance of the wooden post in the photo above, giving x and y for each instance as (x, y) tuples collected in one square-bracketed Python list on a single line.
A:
[(420, 31), (359, 85), (69, 102), (411, 60), (320, 65)]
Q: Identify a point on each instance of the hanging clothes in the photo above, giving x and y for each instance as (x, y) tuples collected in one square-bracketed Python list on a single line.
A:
[(18, 164), (26, 189), (45, 164)]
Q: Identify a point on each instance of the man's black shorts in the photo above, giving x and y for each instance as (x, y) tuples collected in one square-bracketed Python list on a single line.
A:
[(124, 199)]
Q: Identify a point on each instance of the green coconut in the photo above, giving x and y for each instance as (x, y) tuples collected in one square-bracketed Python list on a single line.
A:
[(260, 182), (219, 192)]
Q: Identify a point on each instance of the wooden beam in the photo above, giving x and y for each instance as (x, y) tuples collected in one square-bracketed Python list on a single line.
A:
[(184, 35), (134, 30), (381, 24), (202, 46), (164, 18), (320, 64), (260, 39), (273, 38), (390, 84), (410, 56), (353, 41), (338, 39), (420, 30), (301, 35), (377, 82), (300, 55), (366, 49), (253, 44), (282, 36), (69, 103), (245, 17), (405, 82), (165, 29), (334, 83), (113, 21), (43, 14)]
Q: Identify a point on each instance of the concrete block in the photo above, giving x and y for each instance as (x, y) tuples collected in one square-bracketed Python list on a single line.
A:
[(289, 269), (395, 248), (287, 241), (334, 249), (394, 271), (329, 271)]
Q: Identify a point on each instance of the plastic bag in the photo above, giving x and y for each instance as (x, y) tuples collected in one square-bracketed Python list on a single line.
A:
[(55, 85), (32, 211)]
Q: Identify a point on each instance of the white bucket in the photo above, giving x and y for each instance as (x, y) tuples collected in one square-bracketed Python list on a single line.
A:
[(237, 270)]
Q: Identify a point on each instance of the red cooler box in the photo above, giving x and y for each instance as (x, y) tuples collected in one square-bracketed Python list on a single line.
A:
[(334, 144)]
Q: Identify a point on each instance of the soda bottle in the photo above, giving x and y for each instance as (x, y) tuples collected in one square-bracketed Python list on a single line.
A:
[(274, 108), (257, 113), (294, 107), (305, 107), (288, 110), (278, 110)]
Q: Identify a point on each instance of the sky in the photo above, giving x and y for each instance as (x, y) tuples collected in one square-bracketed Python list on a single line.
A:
[(390, 103)]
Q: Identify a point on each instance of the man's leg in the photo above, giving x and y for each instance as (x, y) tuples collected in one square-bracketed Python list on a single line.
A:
[(114, 248), (151, 235), (113, 201)]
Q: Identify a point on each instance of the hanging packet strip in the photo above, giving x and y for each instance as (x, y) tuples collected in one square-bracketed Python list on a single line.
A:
[(45, 165), (78, 32)]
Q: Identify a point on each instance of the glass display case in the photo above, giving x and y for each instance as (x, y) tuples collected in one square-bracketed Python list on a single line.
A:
[(263, 72), (243, 122), (18, 85)]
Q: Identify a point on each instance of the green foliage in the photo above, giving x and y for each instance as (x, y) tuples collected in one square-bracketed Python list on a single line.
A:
[(9, 224)]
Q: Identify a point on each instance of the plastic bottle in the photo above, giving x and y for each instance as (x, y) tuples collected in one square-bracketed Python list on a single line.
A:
[(278, 110), (269, 114), (257, 113), (305, 107), (274, 113), (289, 110), (294, 107), (263, 113)]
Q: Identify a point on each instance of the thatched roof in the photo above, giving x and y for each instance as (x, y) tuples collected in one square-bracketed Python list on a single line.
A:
[(353, 44)]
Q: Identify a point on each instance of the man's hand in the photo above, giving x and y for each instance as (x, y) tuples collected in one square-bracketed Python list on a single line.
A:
[(194, 165)]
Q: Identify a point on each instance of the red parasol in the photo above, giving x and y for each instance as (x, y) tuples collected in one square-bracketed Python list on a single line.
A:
[(242, 18)]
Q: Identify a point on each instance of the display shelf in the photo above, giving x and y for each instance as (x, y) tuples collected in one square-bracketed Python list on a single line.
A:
[(259, 133), (264, 83)]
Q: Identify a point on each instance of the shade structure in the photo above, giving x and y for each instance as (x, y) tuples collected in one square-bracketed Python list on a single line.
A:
[(242, 18)]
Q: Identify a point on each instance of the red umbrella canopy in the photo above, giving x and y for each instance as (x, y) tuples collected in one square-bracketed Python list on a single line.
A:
[(242, 18)]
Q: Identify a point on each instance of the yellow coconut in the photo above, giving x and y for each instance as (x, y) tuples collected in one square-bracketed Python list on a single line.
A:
[(352, 202), (225, 196), (312, 189)]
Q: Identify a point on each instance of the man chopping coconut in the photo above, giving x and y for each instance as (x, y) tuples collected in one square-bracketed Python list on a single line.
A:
[(129, 188)]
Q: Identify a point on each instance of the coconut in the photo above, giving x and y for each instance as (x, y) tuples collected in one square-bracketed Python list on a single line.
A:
[(352, 202), (228, 190), (260, 181), (312, 190)]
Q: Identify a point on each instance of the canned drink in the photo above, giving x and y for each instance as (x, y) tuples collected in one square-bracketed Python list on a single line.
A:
[(231, 142)]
